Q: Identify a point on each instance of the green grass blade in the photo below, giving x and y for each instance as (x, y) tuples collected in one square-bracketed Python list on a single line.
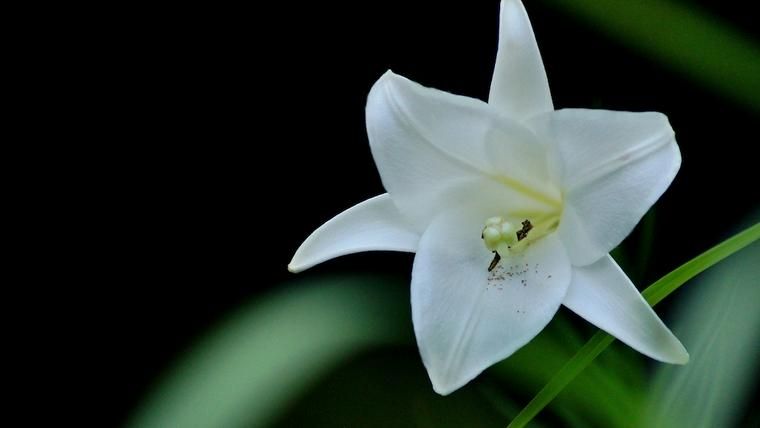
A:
[(653, 294), (609, 393), (598, 343), (670, 282)]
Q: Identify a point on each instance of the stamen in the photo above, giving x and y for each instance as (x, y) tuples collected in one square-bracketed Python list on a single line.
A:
[(495, 261), (498, 235), (502, 238), (523, 233)]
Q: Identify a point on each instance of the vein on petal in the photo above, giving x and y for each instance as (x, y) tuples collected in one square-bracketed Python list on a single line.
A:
[(633, 154), (465, 336)]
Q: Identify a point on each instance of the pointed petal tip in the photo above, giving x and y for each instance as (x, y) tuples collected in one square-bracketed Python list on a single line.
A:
[(296, 264), (671, 351), (444, 385), (680, 356), (519, 87), (512, 11), (389, 77), (292, 268), (443, 390), (375, 98)]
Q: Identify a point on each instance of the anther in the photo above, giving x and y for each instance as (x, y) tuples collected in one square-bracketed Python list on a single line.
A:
[(523, 233)]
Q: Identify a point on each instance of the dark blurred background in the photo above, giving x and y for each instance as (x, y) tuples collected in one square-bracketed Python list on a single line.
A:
[(242, 130)]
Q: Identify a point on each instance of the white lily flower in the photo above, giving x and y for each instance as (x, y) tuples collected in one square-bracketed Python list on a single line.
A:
[(511, 207)]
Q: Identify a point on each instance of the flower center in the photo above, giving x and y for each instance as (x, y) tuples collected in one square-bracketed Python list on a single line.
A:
[(504, 238)]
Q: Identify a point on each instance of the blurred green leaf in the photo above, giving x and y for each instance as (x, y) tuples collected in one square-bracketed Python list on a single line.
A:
[(653, 294), (604, 394), (249, 367), (670, 282), (719, 323), (681, 36), (390, 388)]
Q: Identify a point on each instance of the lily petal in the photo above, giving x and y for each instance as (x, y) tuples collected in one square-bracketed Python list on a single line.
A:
[(374, 224), (424, 141), (465, 318), (519, 87), (602, 294), (612, 167), (518, 161)]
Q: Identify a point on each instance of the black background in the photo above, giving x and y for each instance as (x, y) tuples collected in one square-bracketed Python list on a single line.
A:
[(222, 138)]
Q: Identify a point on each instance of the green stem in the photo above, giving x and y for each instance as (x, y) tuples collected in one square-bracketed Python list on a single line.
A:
[(653, 294)]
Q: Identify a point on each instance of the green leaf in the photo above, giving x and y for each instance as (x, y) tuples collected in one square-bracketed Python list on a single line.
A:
[(719, 323), (251, 366), (607, 394), (681, 36), (653, 294)]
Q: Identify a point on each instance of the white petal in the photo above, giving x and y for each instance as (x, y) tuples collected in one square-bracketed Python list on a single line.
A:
[(426, 142), (465, 318), (374, 224), (602, 294), (612, 166), (519, 161), (519, 87)]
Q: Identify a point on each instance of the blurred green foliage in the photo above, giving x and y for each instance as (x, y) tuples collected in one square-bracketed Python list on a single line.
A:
[(250, 367), (678, 34), (719, 323)]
